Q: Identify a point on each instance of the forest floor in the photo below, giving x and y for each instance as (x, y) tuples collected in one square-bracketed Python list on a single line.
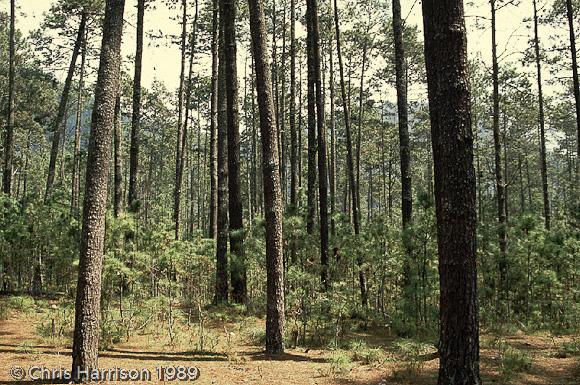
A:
[(233, 356)]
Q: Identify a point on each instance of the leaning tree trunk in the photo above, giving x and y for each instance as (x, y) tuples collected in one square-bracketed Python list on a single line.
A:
[(180, 127), (213, 195), (136, 116), (9, 135), (570, 16), (314, 56), (88, 298), (272, 190), (76, 174), (117, 159), (499, 181), (544, 168), (222, 180), (56, 125), (350, 158), (236, 225), (452, 141)]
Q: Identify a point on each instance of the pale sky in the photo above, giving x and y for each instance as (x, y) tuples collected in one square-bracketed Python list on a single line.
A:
[(163, 62)]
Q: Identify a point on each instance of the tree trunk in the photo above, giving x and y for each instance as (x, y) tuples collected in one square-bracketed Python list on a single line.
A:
[(312, 144), (570, 16), (88, 298), (237, 258), (56, 125), (332, 163), (76, 175), (499, 181), (213, 125), (544, 168), (180, 126), (222, 287), (350, 158), (293, 134), (272, 190), (452, 140), (117, 161), (9, 135), (402, 109), (136, 116), (314, 64)]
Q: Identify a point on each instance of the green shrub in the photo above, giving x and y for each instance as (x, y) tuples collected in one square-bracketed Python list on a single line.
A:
[(514, 361)]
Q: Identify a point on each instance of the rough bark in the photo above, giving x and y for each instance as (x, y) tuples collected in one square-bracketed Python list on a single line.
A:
[(350, 157), (271, 181), (293, 134), (236, 226), (9, 134), (576, 82), (452, 142), (87, 307), (58, 121), (136, 115), (543, 166)]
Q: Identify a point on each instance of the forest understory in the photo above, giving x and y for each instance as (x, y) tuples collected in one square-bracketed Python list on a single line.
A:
[(233, 351)]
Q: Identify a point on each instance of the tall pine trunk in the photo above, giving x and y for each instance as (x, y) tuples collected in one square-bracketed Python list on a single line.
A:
[(88, 297), (293, 134), (60, 117), (271, 178), (499, 181), (136, 115), (576, 82), (350, 158), (117, 159), (213, 149), (452, 141), (543, 165), (236, 226), (9, 134)]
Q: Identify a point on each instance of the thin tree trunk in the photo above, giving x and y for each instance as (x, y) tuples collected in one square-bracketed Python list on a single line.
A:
[(350, 158), (312, 144), (60, 117), (294, 153), (180, 126), (570, 16), (88, 298), (544, 168), (452, 140), (332, 170), (499, 181), (272, 190), (236, 226), (136, 116), (117, 159), (76, 175), (213, 125), (9, 134), (222, 287)]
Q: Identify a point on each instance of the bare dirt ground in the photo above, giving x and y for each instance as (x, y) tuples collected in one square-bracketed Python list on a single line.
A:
[(238, 361)]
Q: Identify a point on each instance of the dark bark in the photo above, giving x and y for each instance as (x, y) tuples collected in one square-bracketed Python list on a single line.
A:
[(402, 109), (117, 159), (311, 124), (136, 115), (293, 134), (543, 166), (213, 125), (236, 226), (58, 121), (332, 122), (499, 181), (452, 141), (314, 57), (88, 298), (222, 287), (9, 134), (271, 180), (180, 126), (350, 158)]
